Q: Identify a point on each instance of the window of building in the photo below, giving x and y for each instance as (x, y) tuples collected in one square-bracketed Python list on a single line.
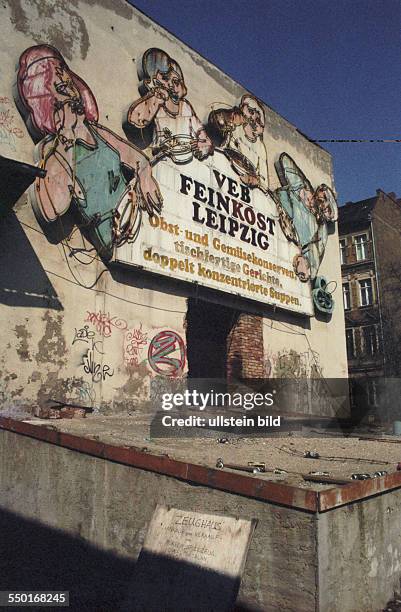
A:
[(361, 249), (366, 291), (370, 343), (343, 251), (346, 296), (349, 336)]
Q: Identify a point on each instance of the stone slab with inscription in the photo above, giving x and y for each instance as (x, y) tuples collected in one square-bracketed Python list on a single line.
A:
[(190, 561)]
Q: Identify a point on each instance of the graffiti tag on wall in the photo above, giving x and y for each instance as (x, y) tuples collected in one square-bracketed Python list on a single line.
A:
[(9, 132), (83, 335), (104, 323), (86, 393), (98, 371), (135, 341), (166, 353)]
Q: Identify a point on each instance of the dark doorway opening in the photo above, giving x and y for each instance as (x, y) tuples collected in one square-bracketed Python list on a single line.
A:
[(208, 338)]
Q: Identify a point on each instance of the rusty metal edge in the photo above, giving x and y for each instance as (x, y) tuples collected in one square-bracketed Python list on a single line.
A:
[(355, 491), (249, 486)]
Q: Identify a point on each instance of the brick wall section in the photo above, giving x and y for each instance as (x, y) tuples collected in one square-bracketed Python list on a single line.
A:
[(245, 348), (387, 232)]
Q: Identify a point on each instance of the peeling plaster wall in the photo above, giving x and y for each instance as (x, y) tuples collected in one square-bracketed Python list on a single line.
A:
[(49, 322), (47, 297)]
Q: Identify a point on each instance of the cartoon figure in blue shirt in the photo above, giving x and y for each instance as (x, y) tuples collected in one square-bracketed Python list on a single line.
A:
[(304, 215), (103, 178)]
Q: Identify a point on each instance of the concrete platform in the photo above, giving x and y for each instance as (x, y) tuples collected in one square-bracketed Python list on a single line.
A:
[(96, 481)]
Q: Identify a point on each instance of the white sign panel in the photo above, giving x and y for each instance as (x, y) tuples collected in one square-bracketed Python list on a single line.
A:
[(217, 232), (190, 561), (216, 542)]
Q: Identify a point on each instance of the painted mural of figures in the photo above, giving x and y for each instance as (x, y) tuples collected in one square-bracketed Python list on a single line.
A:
[(177, 132), (241, 130), (105, 180), (304, 214)]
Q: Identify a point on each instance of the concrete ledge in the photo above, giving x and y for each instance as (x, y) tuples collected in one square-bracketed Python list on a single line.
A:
[(360, 489), (293, 497), (65, 497), (242, 484)]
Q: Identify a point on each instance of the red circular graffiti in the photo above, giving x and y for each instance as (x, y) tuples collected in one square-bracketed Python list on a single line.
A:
[(161, 347)]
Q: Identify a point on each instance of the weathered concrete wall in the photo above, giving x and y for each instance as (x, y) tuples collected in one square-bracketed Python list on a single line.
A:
[(360, 554), (346, 559), (109, 505), (51, 298)]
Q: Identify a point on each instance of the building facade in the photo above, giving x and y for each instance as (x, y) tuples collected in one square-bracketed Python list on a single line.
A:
[(370, 254), (159, 221)]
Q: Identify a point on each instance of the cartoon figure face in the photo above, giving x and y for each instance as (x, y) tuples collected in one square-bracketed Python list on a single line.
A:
[(163, 75), (172, 83), (238, 131), (163, 118), (46, 85), (308, 199), (326, 204), (66, 89), (254, 118)]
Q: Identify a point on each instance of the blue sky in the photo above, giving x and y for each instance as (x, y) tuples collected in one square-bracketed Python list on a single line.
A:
[(331, 67)]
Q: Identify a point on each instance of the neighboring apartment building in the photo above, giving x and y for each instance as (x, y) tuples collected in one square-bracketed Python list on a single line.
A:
[(370, 254)]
